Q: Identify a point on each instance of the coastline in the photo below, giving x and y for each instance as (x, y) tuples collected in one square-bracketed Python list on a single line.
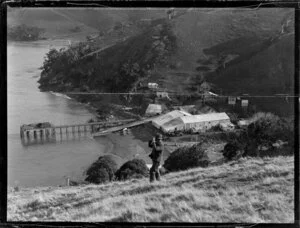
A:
[(122, 148)]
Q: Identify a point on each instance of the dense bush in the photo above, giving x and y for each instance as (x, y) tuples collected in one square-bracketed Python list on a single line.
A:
[(133, 169), (267, 128), (263, 132), (233, 150), (187, 157), (24, 33), (101, 171)]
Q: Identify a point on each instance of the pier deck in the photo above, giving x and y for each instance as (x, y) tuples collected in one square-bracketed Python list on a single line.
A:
[(27, 131)]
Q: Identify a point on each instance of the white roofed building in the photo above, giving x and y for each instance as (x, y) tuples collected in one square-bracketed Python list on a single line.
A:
[(201, 122), (152, 85), (153, 109), (161, 120)]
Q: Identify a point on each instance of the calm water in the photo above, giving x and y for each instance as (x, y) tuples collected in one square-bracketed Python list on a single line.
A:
[(49, 163)]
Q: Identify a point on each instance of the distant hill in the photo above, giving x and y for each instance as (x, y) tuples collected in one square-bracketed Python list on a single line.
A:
[(239, 51), (59, 22), (256, 190)]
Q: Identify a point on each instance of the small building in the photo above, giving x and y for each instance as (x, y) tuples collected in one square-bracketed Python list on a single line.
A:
[(243, 123), (244, 103), (162, 94), (232, 100), (152, 85), (153, 109)]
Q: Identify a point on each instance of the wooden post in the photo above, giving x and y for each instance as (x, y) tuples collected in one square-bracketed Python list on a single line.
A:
[(28, 134), (34, 134), (47, 133), (67, 130), (53, 132), (41, 133), (60, 130), (68, 181), (21, 133)]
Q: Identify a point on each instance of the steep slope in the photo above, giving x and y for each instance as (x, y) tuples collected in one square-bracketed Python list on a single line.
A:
[(224, 32), (116, 68), (246, 191), (240, 51)]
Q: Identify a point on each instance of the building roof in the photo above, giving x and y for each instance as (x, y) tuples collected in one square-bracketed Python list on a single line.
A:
[(205, 117), (154, 108), (169, 116)]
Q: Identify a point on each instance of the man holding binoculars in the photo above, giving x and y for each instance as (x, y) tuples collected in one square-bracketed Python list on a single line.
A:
[(157, 150)]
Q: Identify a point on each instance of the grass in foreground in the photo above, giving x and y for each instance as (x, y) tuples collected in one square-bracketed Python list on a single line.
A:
[(249, 190)]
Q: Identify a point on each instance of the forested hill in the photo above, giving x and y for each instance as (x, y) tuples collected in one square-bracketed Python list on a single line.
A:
[(238, 50)]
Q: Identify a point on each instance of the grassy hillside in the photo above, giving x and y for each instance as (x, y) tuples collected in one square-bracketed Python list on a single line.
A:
[(247, 190), (59, 22)]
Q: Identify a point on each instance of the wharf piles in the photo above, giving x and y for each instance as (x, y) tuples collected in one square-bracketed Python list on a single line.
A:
[(47, 130)]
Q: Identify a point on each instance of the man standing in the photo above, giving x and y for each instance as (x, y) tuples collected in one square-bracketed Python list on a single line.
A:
[(157, 150)]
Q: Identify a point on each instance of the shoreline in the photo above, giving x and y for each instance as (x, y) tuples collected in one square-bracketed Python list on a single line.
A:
[(122, 148), (47, 41)]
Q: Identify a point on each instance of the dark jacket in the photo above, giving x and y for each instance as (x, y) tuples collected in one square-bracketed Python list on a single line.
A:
[(157, 150)]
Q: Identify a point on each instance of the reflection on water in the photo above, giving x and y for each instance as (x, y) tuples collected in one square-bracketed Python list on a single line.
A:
[(42, 162), (57, 138)]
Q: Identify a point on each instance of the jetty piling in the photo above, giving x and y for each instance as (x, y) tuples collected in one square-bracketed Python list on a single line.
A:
[(53, 132), (50, 131), (47, 133)]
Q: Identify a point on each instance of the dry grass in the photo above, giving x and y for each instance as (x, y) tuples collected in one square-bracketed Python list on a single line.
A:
[(248, 190)]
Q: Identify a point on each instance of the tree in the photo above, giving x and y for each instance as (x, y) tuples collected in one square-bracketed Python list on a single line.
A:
[(24, 33), (133, 169), (233, 150), (187, 157), (265, 130), (101, 171)]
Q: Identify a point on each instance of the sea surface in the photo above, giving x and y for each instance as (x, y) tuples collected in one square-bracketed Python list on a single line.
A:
[(50, 163)]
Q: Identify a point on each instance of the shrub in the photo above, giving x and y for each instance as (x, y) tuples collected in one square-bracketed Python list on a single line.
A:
[(233, 150), (264, 130), (102, 170), (187, 157), (133, 169)]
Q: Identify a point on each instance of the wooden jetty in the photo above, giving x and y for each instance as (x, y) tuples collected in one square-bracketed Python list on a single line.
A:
[(47, 130), (124, 126)]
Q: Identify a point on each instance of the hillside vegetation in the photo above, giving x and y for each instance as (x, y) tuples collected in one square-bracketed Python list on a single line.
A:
[(239, 51), (76, 23), (253, 190)]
